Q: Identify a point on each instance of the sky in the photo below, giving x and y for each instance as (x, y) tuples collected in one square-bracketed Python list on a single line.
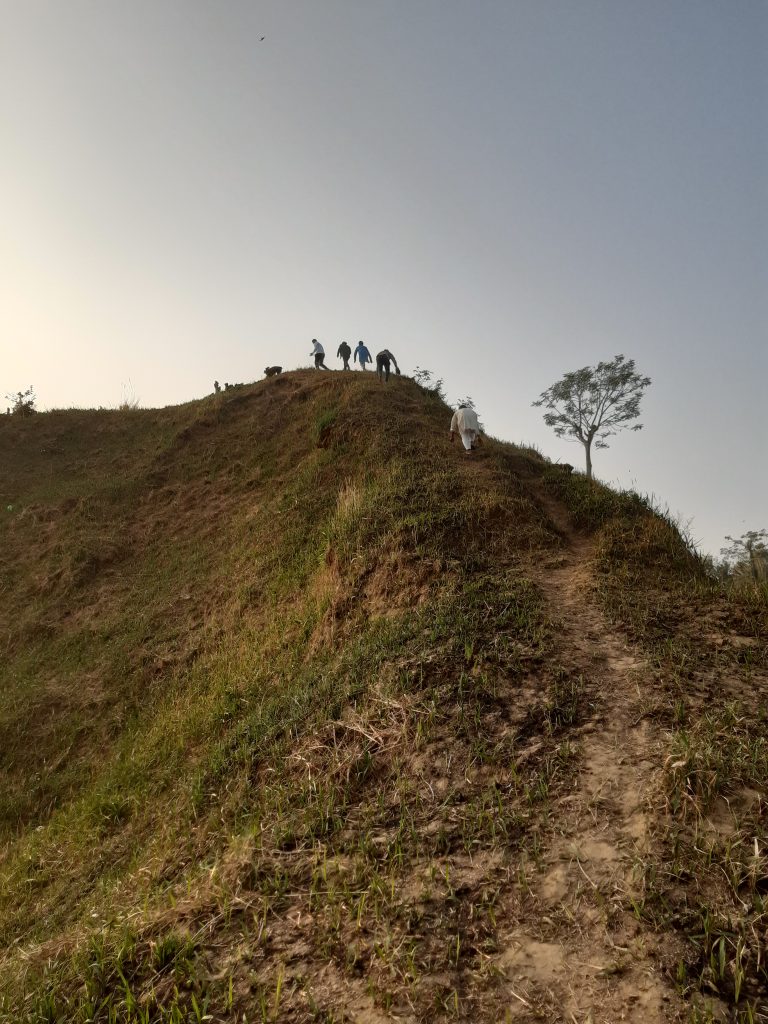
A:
[(499, 191)]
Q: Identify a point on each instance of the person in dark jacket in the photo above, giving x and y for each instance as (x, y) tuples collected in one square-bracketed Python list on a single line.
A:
[(383, 360), (344, 352)]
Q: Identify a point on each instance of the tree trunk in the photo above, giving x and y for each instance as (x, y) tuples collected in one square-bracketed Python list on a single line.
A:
[(588, 450), (753, 563)]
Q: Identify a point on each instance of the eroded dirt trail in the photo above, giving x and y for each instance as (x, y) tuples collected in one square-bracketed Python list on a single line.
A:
[(599, 964)]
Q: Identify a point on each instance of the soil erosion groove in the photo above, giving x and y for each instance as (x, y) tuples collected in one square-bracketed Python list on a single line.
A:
[(601, 964)]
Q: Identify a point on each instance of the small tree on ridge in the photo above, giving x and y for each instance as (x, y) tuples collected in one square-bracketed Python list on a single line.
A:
[(593, 403), (23, 402), (749, 551)]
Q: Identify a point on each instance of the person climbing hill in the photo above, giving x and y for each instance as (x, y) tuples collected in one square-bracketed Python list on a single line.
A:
[(319, 353), (383, 360), (344, 352), (362, 355), (465, 424)]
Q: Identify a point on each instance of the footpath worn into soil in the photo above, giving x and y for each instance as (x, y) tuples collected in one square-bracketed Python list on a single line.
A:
[(586, 956), (606, 971)]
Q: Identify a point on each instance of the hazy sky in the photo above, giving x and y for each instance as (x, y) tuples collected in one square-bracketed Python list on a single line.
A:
[(497, 191)]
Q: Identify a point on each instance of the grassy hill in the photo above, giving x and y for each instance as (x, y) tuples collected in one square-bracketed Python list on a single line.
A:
[(306, 716)]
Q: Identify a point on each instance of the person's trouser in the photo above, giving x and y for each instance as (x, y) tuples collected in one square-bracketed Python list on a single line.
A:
[(382, 367), (346, 362), (320, 361), (468, 438)]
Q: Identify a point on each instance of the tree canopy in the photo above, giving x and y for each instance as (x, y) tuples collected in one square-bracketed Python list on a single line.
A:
[(592, 404), (748, 554), (23, 402)]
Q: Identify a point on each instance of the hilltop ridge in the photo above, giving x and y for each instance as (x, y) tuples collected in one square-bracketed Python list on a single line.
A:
[(306, 716)]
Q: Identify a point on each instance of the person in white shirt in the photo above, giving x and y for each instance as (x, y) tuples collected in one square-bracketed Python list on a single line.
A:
[(319, 353), (465, 424)]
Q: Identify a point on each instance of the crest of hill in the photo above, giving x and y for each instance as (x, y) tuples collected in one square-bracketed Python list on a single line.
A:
[(284, 686)]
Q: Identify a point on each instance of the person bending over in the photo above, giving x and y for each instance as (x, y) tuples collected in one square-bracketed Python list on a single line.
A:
[(383, 360), (465, 424)]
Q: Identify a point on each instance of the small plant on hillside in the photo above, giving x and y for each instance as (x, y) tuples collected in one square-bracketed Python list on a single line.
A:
[(129, 398), (323, 426), (429, 383), (592, 404), (23, 402)]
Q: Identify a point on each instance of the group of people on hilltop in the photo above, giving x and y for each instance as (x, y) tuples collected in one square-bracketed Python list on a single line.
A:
[(464, 423), (384, 359)]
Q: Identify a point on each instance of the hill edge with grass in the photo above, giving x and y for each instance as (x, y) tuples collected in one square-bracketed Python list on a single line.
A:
[(284, 651)]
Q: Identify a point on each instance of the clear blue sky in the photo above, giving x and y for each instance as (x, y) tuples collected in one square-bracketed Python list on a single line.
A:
[(498, 191)]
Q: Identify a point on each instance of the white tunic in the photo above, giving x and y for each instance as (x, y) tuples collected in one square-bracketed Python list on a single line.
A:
[(465, 423), (465, 419)]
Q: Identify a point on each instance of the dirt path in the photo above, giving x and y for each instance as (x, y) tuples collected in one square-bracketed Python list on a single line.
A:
[(587, 950)]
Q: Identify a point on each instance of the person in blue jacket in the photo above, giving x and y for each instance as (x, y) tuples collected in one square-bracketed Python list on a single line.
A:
[(362, 355)]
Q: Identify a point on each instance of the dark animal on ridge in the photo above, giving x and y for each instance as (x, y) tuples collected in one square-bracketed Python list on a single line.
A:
[(272, 371)]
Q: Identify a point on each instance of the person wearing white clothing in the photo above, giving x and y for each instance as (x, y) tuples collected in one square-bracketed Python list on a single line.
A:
[(465, 424), (319, 353)]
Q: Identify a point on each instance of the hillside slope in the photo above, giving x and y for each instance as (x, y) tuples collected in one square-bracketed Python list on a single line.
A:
[(306, 716)]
